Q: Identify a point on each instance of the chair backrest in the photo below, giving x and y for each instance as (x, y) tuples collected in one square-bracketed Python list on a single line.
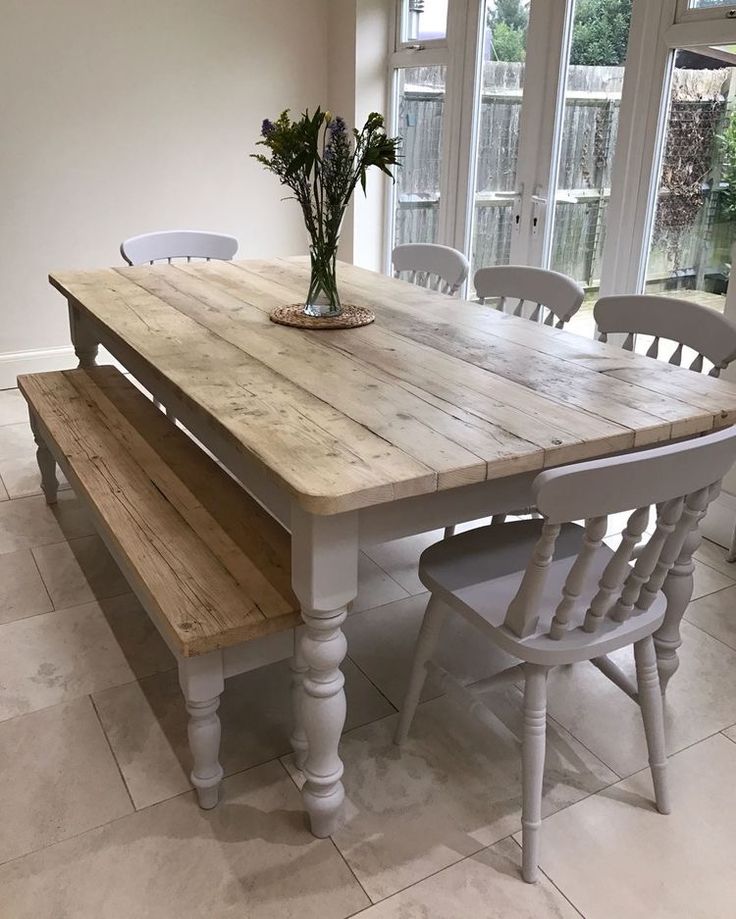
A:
[(680, 480), (556, 293), (169, 244), (706, 331), (429, 265)]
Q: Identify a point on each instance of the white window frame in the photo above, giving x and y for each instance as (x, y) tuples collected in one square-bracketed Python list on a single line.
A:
[(685, 13), (402, 11)]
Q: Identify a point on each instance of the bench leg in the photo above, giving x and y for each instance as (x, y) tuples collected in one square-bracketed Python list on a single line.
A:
[(298, 672), (202, 681), (46, 464)]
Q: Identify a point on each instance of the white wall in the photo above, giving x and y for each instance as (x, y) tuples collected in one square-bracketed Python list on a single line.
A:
[(118, 118)]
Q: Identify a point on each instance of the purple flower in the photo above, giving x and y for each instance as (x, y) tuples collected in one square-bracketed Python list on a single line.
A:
[(337, 126), (267, 127)]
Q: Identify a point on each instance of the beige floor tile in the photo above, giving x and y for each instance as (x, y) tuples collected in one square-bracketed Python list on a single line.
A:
[(614, 856), (22, 592), (400, 558), (731, 733), (4, 496), (701, 699), (29, 522), (712, 554), (146, 724), (61, 655), (79, 571), (59, 778), (375, 587), (451, 790), (13, 407), (18, 466), (252, 856), (707, 580), (381, 642), (716, 615), (485, 886)]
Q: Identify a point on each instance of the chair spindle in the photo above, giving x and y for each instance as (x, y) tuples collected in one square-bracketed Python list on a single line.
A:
[(595, 530), (523, 612)]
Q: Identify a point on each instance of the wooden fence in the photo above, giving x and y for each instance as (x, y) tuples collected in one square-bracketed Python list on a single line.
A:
[(590, 126)]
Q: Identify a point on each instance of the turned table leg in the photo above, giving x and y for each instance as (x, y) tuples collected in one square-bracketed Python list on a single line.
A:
[(202, 682), (325, 578), (298, 672), (83, 337)]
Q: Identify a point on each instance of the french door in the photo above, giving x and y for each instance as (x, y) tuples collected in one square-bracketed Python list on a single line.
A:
[(509, 113)]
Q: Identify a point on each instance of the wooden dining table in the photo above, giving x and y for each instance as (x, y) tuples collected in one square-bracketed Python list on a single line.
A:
[(442, 411)]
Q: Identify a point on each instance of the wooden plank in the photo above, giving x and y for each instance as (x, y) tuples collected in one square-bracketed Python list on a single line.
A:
[(329, 462), (205, 589), (463, 448), (453, 383), (438, 393), (652, 416)]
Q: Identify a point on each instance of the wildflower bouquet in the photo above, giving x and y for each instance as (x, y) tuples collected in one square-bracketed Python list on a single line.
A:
[(321, 161)]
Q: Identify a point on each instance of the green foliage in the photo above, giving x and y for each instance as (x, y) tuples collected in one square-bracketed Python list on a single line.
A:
[(601, 32), (508, 43), (322, 162), (508, 22), (727, 143)]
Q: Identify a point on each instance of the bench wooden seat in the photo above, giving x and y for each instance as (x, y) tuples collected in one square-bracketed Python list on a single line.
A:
[(211, 567)]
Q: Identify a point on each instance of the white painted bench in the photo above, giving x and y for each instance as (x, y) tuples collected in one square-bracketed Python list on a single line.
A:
[(210, 566)]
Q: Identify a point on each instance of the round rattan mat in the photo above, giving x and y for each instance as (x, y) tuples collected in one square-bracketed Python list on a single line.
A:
[(352, 317)]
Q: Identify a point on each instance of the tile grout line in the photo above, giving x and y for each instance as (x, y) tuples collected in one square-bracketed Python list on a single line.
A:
[(112, 753), (556, 887), (378, 689), (43, 582)]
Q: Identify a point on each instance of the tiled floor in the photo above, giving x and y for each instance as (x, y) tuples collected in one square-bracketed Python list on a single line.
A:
[(97, 820)]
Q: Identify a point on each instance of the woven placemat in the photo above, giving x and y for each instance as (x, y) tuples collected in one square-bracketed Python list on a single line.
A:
[(351, 317)]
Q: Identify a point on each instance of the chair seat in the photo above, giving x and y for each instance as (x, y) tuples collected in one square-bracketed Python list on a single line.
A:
[(478, 573)]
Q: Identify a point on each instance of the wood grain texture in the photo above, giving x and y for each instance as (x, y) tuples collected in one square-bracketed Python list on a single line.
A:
[(436, 394), (211, 565)]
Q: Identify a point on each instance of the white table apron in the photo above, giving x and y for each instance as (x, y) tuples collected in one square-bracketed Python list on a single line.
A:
[(325, 552)]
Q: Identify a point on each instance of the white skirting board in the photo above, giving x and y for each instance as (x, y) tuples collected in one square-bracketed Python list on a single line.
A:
[(14, 363), (720, 520)]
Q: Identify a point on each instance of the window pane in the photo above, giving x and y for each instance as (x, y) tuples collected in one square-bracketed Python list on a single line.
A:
[(425, 20), (695, 217), (595, 76), (704, 4), (501, 94), (421, 103)]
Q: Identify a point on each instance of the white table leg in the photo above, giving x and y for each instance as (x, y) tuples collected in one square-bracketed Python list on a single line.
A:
[(46, 463), (202, 682), (298, 672), (83, 337), (325, 579)]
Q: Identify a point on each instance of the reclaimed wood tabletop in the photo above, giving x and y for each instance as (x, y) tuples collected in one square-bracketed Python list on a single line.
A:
[(436, 394)]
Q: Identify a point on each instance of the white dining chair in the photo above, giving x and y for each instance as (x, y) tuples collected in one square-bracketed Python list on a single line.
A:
[(710, 334), (429, 265), (550, 592), (685, 323), (555, 297), (166, 245)]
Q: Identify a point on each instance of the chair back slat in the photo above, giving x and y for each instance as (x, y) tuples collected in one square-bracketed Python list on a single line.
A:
[(615, 571), (667, 521), (519, 308), (595, 530), (697, 364), (522, 614), (559, 293), (653, 350), (428, 265), (173, 244), (708, 332), (679, 479), (676, 358), (629, 342)]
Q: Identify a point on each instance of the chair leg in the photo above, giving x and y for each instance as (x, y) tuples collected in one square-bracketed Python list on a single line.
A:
[(449, 531), (731, 557), (652, 713), (429, 633), (532, 761)]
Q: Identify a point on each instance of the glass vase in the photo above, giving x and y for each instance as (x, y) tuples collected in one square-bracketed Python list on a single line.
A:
[(323, 299)]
